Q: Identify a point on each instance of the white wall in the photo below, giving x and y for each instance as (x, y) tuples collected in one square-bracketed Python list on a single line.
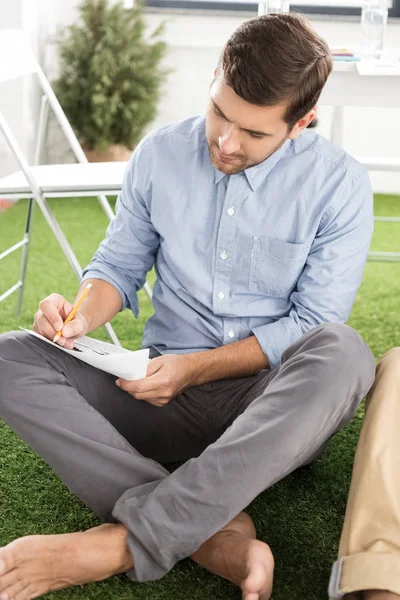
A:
[(195, 41), (11, 94)]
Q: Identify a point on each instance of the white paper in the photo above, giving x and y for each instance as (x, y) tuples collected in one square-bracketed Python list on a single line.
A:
[(107, 357), (381, 66)]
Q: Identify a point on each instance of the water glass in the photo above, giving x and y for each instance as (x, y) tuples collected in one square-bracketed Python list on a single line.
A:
[(374, 16), (266, 7)]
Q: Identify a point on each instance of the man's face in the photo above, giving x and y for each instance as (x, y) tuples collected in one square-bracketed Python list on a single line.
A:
[(241, 135)]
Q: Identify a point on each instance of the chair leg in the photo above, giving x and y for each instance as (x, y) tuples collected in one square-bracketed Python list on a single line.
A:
[(148, 290), (337, 129), (25, 255), (68, 253), (44, 207)]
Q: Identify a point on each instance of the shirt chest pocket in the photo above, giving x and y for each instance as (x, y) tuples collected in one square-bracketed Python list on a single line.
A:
[(276, 266)]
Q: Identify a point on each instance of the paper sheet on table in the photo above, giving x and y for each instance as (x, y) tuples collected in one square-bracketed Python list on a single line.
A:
[(375, 66), (113, 359)]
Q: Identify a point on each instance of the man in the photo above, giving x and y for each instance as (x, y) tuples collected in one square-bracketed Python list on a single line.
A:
[(259, 233), (368, 565)]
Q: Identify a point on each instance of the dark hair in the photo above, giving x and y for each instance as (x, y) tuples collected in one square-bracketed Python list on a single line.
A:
[(277, 58)]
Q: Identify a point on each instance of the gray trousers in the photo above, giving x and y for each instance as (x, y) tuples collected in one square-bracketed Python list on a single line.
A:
[(237, 436)]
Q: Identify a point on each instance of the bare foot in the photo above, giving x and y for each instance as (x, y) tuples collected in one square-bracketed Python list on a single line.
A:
[(235, 554), (34, 565)]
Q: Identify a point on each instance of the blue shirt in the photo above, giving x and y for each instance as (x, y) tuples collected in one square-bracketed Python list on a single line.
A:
[(272, 251)]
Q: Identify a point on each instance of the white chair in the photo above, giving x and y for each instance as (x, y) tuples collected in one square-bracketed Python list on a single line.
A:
[(51, 181)]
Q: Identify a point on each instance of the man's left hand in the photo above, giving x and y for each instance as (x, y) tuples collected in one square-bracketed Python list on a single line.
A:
[(167, 377)]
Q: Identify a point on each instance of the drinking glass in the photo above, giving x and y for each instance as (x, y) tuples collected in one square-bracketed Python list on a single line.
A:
[(265, 7), (374, 16)]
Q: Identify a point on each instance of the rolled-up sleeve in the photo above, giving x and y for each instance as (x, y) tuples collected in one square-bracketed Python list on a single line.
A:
[(128, 252), (327, 287)]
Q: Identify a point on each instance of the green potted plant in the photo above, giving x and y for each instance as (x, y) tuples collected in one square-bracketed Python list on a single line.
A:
[(110, 77)]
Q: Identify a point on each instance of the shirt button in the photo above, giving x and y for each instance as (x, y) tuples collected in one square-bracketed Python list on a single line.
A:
[(231, 333), (231, 211), (221, 295), (223, 255)]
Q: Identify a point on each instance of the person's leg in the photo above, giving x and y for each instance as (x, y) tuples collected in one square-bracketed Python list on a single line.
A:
[(60, 406), (369, 552), (252, 454), (98, 439), (315, 392)]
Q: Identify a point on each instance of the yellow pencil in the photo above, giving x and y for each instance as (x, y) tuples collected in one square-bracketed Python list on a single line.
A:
[(74, 310)]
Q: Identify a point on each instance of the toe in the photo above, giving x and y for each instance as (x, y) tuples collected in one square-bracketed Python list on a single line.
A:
[(8, 580), (256, 579), (26, 594), (258, 584), (250, 596), (14, 591), (5, 561), (9, 558)]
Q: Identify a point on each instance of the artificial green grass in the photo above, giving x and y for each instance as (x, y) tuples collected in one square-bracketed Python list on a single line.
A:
[(300, 517)]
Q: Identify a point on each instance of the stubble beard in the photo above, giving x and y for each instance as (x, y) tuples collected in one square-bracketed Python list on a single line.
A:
[(239, 166)]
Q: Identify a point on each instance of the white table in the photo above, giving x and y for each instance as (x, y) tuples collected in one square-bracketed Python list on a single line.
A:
[(346, 87)]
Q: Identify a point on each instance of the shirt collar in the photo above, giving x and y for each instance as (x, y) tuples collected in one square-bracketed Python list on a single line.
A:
[(256, 175)]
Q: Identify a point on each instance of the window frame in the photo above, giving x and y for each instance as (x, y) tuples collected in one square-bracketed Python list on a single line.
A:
[(309, 9)]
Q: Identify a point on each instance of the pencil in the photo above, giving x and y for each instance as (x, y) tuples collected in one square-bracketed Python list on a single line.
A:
[(74, 310)]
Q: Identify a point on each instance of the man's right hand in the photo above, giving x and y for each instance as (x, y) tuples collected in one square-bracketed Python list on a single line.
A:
[(50, 317)]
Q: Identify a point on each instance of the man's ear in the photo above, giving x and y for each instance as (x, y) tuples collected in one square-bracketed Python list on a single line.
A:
[(302, 124)]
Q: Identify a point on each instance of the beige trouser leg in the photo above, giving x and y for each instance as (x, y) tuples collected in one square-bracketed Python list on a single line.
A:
[(369, 553)]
